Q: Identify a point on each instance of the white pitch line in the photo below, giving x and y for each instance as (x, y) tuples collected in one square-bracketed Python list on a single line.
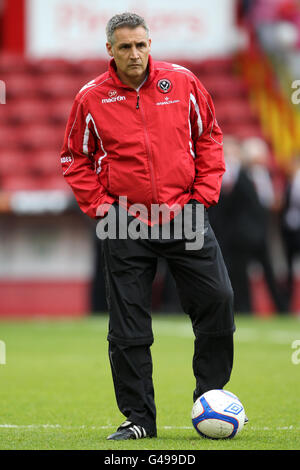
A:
[(52, 426), (59, 426)]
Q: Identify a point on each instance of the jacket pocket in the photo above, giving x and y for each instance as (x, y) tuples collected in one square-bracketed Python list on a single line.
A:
[(190, 169)]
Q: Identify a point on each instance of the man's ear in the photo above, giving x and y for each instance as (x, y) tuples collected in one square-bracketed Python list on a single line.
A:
[(109, 49)]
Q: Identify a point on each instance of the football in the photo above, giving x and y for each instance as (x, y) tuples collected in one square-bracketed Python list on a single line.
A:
[(218, 414)]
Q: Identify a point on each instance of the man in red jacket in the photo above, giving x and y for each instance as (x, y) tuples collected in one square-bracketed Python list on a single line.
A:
[(140, 135)]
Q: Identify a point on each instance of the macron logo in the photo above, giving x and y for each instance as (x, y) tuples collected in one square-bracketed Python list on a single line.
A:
[(114, 99)]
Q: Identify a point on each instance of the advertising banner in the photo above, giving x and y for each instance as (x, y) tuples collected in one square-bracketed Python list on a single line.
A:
[(75, 29)]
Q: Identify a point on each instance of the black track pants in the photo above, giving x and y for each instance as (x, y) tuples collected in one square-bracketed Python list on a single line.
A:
[(206, 296)]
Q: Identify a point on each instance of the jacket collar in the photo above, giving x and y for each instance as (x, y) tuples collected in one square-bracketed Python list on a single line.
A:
[(112, 68)]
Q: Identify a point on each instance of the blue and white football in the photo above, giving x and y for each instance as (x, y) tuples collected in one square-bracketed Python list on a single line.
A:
[(218, 414)]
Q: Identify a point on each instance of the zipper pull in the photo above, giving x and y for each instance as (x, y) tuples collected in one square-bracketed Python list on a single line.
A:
[(138, 102)]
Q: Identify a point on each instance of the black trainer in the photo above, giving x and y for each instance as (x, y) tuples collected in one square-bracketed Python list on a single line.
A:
[(128, 430)]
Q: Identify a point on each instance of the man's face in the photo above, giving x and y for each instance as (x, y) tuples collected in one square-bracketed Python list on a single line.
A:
[(130, 49)]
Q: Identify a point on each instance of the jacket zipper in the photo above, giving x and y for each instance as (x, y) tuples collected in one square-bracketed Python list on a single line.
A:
[(148, 148)]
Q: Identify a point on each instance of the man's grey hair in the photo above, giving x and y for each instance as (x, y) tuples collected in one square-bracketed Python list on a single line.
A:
[(129, 20)]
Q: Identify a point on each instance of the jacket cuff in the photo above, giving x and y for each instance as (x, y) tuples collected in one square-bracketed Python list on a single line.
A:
[(199, 198), (103, 208)]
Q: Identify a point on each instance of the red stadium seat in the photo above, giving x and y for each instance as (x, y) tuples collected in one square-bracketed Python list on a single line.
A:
[(224, 86), (27, 111), (38, 136), (3, 114), (234, 111), (29, 171), (21, 86), (48, 66), (46, 163), (242, 130), (248, 130), (59, 110), (58, 86), (241, 112), (222, 65), (13, 162), (55, 183), (8, 137), (21, 183), (92, 67), (14, 64)]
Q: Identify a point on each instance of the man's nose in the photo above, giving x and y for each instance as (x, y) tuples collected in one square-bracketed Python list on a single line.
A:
[(134, 53)]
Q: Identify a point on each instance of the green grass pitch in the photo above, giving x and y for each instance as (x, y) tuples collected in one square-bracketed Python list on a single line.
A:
[(56, 390)]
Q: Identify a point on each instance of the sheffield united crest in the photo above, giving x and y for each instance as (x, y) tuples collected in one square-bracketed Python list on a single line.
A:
[(164, 85)]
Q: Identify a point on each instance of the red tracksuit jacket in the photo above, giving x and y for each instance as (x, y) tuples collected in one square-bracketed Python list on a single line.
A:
[(159, 144)]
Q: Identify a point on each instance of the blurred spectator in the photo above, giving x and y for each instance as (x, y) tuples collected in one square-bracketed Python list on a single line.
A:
[(289, 12), (255, 157), (241, 219), (290, 223), (276, 22), (219, 215)]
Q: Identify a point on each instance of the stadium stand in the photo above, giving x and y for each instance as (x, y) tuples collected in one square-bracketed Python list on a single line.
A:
[(40, 93)]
